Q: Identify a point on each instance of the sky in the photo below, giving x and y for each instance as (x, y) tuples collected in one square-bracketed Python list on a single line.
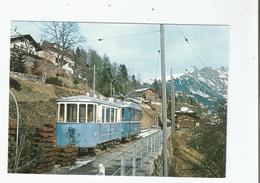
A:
[(137, 45)]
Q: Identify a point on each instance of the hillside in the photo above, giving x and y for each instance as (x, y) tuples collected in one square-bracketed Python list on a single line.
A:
[(37, 102)]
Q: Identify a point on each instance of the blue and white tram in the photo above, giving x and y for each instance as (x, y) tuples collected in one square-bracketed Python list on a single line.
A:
[(88, 121), (131, 116)]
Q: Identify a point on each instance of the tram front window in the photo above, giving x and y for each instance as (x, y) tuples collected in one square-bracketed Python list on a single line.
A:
[(61, 115), (72, 113), (82, 113)]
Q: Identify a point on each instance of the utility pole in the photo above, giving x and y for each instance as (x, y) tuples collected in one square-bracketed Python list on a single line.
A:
[(94, 79), (164, 102), (172, 106), (111, 89)]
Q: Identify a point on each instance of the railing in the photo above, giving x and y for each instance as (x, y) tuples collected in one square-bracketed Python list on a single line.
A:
[(134, 161)]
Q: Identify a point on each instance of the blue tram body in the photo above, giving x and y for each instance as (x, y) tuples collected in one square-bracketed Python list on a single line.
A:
[(86, 121), (131, 121)]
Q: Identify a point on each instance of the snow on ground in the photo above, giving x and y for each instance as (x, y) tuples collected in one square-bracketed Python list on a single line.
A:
[(147, 132), (199, 93), (80, 163)]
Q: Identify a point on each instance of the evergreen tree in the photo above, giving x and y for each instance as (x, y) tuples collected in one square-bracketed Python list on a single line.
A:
[(135, 82), (123, 74), (94, 59), (17, 61), (104, 84), (122, 80), (81, 66), (211, 143), (156, 86)]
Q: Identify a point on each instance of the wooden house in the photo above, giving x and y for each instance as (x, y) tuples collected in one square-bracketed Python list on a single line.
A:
[(25, 43), (51, 52), (186, 118), (146, 93)]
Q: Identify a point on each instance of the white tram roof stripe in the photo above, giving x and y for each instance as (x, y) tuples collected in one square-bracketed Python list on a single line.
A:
[(84, 98)]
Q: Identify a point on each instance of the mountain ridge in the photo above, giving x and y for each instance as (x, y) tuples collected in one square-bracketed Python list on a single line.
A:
[(208, 86)]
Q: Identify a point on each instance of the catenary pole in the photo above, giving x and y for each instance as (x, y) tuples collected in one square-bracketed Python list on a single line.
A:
[(164, 101)]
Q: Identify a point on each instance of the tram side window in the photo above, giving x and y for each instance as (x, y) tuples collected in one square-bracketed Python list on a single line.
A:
[(123, 114), (139, 115), (132, 115), (71, 112), (82, 113), (115, 115), (103, 114), (112, 115), (94, 113), (108, 114), (90, 112), (61, 115)]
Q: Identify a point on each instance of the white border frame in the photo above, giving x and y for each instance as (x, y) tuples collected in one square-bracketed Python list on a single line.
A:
[(241, 15)]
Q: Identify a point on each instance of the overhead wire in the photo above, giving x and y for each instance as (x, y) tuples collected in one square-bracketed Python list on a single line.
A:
[(123, 36), (192, 48)]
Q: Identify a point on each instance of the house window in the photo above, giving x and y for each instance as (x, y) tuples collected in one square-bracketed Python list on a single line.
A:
[(82, 113), (61, 115), (71, 112)]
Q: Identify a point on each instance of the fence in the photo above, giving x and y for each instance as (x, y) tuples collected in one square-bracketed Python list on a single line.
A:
[(135, 160)]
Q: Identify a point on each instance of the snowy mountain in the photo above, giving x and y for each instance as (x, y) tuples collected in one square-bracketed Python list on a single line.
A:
[(207, 86)]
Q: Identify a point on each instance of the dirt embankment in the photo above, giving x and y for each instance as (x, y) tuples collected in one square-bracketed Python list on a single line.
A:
[(149, 118), (37, 102), (184, 159)]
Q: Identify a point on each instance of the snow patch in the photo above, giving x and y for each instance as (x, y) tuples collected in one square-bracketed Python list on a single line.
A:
[(80, 163)]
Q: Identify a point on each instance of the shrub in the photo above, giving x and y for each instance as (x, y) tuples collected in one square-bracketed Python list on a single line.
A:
[(15, 84), (76, 81), (29, 153), (54, 81), (17, 61)]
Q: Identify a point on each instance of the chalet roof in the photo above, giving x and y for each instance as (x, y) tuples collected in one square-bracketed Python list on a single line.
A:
[(186, 109), (54, 47), (29, 38), (143, 90), (193, 115)]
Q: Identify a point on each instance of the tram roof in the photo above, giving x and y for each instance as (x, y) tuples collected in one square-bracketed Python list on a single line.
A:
[(84, 98)]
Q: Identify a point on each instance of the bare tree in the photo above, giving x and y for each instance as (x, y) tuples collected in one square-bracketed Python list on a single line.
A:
[(65, 35)]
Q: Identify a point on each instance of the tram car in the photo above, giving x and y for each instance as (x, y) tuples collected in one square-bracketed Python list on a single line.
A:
[(87, 122)]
